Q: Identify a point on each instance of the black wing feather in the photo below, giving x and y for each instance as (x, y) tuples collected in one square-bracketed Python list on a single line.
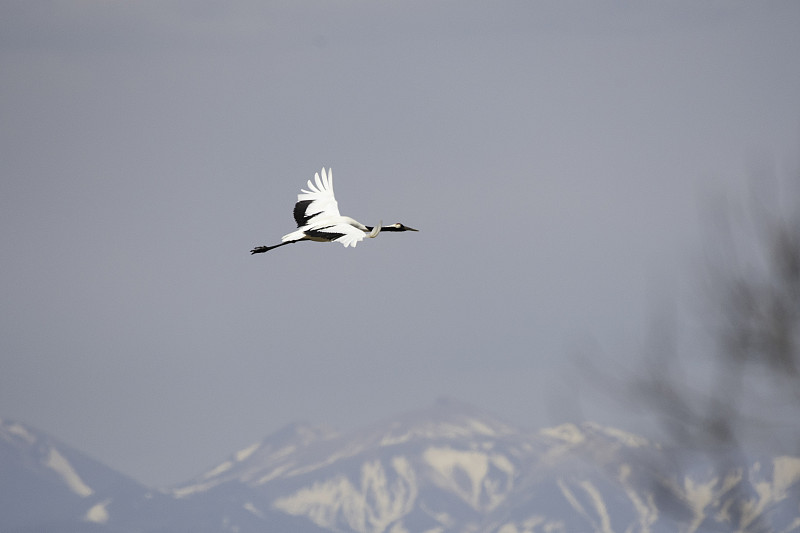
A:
[(300, 215), (325, 235)]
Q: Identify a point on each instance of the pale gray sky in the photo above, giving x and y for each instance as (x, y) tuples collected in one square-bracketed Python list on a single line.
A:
[(554, 156)]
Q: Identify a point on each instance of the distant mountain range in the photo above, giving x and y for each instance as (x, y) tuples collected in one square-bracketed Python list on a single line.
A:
[(448, 468)]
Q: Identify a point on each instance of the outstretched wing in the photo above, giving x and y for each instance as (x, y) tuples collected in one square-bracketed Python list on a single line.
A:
[(317, 215), (317, 201)]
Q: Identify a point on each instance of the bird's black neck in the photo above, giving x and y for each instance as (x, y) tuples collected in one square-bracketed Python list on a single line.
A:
[(384, 228)]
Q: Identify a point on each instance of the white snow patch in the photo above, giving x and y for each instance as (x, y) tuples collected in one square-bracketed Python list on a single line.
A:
[(275, 473), (253, 509), (442, 517), (595, 499), (182, 492), (98, 513), (531, 523), (57, 462), (447, 461), (573, 501), (217, 470), (19, 431), (370, 508), (646, 510), (628, 439), (481, 428), (283, 452), (390, 440), (398, 527), (341, 454), (227, 525), (730, 481), (567, 432), (786, 472), (241, 455), (599, 506), (698, 496), (469, 427), (501, 462), (483, 491)]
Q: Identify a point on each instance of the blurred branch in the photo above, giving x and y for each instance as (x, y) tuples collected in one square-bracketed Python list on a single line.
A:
[(755, 325), (744, 392)]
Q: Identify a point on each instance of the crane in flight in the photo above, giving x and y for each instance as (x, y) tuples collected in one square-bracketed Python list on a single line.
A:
[(317, 215)]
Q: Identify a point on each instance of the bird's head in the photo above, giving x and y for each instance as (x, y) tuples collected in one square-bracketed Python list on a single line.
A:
[(397, 227)]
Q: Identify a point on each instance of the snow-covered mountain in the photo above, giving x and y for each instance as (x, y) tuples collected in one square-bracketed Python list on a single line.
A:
[(449, 468), (45, 483)]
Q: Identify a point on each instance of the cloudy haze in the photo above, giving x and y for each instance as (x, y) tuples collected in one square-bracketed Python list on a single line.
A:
[(555, 157)]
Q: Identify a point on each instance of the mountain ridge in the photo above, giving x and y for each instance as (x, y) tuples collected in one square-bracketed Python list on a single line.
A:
[(445, 468)]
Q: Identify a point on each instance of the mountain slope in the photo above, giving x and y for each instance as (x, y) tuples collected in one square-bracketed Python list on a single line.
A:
[(454, 468), (47, 482), (448, 468)]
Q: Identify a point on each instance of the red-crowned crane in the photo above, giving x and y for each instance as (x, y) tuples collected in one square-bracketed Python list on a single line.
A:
[(317, 215)]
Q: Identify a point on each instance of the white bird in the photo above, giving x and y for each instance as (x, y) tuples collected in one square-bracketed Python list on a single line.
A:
[(317, 215)]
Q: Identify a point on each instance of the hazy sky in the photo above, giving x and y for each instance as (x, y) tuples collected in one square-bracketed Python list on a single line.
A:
[(554, 155)]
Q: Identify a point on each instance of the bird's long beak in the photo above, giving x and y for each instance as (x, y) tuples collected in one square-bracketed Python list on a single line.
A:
[(410, 229)]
